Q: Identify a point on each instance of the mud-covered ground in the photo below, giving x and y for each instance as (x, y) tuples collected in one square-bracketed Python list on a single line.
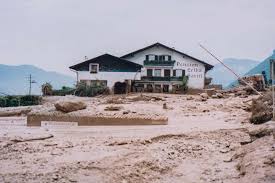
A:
[(210, 141)]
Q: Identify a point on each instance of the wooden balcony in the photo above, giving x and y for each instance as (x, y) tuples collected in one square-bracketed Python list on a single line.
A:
[(158, 78), (159, 63)]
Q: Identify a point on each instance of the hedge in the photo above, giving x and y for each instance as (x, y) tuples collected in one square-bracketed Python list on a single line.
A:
[(15, 101)]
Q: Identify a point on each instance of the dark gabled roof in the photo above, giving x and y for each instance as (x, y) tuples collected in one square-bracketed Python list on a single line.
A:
[(108, 63), (208, 66)]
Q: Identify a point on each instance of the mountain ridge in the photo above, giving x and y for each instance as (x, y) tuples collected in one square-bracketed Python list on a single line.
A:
[(13, 79)]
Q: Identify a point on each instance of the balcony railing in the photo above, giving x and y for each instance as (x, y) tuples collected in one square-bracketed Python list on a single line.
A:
[(158, 78), (159, 63)]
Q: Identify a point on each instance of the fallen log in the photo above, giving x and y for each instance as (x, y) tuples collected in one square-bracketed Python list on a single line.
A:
[(32, 139)]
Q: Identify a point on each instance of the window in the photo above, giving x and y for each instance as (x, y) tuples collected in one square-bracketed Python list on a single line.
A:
[(93, 68), (178, 72), (167, 72), (151, 57), (149, 72), (165, 57), (157, 72)]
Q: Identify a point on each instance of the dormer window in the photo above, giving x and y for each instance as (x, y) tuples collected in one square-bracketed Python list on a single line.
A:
[(94, 68)]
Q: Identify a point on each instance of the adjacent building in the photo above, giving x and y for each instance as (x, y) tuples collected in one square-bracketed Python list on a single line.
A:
[(107, 70), (155, 68)]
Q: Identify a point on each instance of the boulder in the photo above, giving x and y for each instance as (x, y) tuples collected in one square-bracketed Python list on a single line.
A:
[(219, 95), (69, 106), (214, 96), (204, 96)]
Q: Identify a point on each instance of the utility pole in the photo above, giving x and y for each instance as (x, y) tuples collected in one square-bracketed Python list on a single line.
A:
[(31, 81)]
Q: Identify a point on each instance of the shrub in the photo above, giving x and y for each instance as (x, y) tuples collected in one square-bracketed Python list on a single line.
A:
[(84, 90), (3, 101), (30, 100), (64, 91), (47, 89), (184, 84), (14, 101)]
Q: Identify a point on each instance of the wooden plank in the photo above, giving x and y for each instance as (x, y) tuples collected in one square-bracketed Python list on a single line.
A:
[(36, 119)]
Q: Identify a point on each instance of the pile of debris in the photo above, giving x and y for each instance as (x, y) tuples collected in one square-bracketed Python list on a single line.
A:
[(261, 109), (257, 81), (132, 98), (242, 91)]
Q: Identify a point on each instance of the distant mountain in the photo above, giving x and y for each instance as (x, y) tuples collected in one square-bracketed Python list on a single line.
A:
[(14, 79), (222, 76)]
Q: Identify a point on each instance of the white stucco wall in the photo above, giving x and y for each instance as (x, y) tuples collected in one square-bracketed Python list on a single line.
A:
[(194, 69), (111, 77)]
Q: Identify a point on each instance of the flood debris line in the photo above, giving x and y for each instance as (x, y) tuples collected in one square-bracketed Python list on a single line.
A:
[(113, 108), (14, 112), (69, 106), (132, 98)]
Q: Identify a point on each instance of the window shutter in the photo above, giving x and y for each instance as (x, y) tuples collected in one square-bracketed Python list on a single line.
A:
[(169, 57), (160, 57), (156, 57), (147, 57), (174, 73)]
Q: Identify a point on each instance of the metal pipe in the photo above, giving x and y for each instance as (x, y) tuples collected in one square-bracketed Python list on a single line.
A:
[(230, 70)]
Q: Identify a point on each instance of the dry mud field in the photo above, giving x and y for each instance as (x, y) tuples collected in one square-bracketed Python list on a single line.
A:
[(204, 141)]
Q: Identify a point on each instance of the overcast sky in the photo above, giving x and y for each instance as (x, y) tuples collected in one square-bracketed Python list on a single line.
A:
[(55, 34)]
